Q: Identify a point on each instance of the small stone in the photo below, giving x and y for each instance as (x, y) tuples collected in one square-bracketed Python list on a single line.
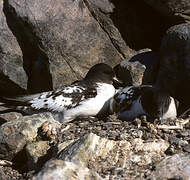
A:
[(184, 133), (176, 166), (137, 121), (170, 150), (187, 148)]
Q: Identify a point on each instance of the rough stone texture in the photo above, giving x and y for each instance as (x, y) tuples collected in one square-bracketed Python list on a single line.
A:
[(59, 49), (85, 148), (9, 173), (64, 144), (14, 135), (62, 38), (154, 146), (174, 167), (94, 152), (63, 170), (130, 73), (35, 152), (110, 148), (139, 68), (174, 71), (100, 10), (9, 116), (177, 10), (11, 70)]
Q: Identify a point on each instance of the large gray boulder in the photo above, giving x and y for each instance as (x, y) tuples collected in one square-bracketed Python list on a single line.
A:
[(61, 40), (60, 44), (174, 71), (16, 134)]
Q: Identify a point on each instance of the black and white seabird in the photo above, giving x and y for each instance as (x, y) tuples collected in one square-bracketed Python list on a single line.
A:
[(134, 101), (87, 97)]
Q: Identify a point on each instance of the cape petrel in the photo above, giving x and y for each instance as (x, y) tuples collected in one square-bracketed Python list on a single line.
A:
[(134, 101), (87, 97)]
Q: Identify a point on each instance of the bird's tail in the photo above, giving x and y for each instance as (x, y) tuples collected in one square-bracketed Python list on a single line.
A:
[(16, 104)]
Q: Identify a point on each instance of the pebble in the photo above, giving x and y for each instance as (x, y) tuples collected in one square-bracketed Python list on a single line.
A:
[(187, 148)]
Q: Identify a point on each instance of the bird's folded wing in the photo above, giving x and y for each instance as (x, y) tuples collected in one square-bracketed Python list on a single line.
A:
[(57, 101), (126, 96)]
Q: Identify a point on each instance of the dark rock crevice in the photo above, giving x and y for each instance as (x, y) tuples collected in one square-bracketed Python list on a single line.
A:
[(10, 88), (35, 61), (139, 24)]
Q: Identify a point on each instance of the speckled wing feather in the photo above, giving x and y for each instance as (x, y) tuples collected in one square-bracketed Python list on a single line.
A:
[(55, 101), (125, 97)]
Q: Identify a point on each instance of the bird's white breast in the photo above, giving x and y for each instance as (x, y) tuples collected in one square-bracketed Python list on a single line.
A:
[(92, 106), (172, 111), (135, 111)]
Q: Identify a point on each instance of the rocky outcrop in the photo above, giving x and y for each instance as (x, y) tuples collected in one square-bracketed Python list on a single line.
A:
[(11, 71), (15, 134), (60, 44), (36, 152), (141, 67), (55, 48), (100, 154), (174, 75), (59, 41)]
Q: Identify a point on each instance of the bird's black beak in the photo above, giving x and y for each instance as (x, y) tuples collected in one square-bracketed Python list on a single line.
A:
[(117, 83), (159, 119), (115, 79)]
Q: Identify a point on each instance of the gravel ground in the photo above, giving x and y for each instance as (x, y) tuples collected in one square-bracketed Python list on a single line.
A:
[(176, 132)]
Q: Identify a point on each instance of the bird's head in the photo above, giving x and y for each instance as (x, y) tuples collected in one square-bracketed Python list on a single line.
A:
[(101, 73)]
